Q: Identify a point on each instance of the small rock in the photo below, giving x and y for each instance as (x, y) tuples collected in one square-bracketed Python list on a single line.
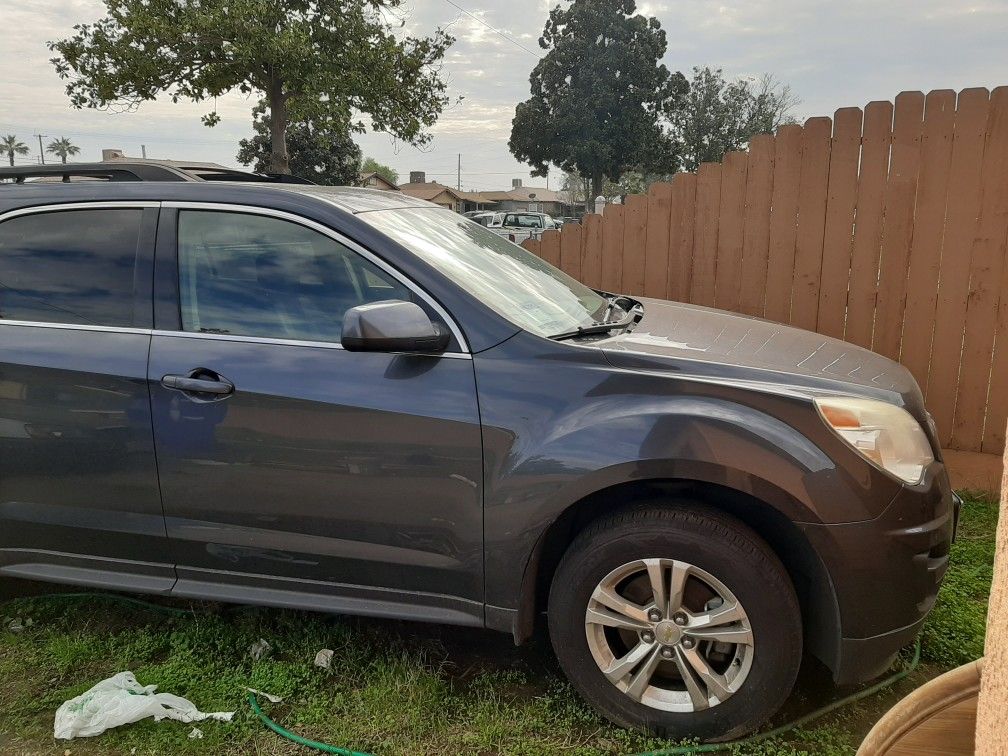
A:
[(259, 649), (196, 734), (323, 659), (15, 626)]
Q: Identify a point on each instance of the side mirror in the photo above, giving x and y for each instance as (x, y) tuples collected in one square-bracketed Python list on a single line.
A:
[(392, 326)]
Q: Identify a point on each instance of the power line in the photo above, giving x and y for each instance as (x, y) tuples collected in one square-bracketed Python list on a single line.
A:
[(496, 31)]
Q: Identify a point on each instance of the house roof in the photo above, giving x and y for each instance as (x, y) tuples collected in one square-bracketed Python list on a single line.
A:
[(428, 191), (520, 194), (365, 177)]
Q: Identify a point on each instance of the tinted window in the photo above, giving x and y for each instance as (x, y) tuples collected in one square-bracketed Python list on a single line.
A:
[(254, 275), (72, 266)]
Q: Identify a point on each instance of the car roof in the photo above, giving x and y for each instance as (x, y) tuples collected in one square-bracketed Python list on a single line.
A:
[(352, 199), (349, 199)]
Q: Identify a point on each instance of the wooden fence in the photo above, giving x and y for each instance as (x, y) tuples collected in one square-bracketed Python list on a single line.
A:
[(885, 227)]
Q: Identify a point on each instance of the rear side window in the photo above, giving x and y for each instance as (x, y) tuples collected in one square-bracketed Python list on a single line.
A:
[(74, 266), (253, 275)]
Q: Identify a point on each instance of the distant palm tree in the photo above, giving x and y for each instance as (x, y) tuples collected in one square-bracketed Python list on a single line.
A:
[(12, 147), (63, 147)]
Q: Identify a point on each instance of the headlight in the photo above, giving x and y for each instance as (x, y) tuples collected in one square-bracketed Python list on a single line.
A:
[(881, 432)]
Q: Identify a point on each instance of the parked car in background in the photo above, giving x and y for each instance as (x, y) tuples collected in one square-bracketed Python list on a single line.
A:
[(354, 401), (484, 217), (519, 226)]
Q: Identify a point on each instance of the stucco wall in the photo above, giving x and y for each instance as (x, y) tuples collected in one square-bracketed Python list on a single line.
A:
[(992, 724)]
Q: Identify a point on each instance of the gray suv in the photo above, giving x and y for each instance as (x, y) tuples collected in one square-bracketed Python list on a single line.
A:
[(352, 401)]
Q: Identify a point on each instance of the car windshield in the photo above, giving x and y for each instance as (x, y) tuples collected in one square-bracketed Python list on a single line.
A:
[(509, 279)]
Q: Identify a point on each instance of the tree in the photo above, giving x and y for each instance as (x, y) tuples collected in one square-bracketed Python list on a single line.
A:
[(325, 156), (12, 146), (718, 116), (373, 166), (315, 61), (598, 95), (63, 148)]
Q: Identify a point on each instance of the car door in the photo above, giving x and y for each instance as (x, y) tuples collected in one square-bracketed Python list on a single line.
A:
[(315, 476), (79, 498)]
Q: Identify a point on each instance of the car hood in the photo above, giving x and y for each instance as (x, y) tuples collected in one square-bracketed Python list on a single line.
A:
[(704, 342)]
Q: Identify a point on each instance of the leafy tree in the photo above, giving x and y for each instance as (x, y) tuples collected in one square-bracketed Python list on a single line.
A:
[(598, 95), (315, 61), (325, 156), (63, 148), (12, 146), (718, 116), (373, 166)]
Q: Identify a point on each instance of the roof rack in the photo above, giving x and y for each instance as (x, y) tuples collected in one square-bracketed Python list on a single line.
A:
[(125, 170)]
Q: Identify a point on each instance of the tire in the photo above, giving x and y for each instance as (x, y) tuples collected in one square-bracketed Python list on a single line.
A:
[(723, 561)]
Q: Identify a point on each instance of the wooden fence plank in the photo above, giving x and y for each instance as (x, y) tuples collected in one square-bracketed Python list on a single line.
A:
[(656, 246), (811, 221), (549, 247), (612, 248), (634, 239), (896, 235), (731, 215), (591, 264), (997, 402), (874, 169), (897, 232), (705, 229), (570, 250), (929, 218), (838, 235), (680, 271), (908, 122), (783, 222), (985, 277), (957, 238), (533, 246), (756, 232)]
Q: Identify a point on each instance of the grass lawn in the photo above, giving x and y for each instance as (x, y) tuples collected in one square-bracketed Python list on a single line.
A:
[(394, 687)]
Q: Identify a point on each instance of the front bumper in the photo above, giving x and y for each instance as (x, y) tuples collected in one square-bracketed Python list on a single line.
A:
[(886, 573)]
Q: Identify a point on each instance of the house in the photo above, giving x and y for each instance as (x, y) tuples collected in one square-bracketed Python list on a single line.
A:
[(377, 181), (534, 199), (519, 198), (432, 191)]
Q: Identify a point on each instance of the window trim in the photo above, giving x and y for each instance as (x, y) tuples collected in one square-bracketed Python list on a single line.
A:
[(142, 262), (335, 236)]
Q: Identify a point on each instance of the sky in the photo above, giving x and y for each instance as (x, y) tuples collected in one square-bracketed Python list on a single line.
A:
[(832, 54)]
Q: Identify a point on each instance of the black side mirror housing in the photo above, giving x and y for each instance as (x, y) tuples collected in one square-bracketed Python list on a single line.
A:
[(392, 326)]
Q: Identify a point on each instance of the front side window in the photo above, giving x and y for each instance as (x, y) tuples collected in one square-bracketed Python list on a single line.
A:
[(253, 275), (73, 266), (509, 279)]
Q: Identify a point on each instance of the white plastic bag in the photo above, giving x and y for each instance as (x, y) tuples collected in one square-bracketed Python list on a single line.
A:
[(122, 700)]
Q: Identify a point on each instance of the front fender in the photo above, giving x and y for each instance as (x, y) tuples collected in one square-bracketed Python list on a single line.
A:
[(595, 428)]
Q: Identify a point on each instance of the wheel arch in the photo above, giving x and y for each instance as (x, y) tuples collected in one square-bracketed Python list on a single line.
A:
[(809, 576)]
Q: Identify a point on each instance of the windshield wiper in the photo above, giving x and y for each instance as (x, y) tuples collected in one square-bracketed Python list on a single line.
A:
[(632, 317)]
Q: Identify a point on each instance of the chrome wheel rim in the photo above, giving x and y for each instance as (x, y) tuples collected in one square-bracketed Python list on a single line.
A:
[(669, 635)]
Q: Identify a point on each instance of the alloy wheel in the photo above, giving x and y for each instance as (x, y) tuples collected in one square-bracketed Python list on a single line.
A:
[(669, 635)]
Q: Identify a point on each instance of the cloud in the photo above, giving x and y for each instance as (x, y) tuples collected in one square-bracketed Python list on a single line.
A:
[(832, 54)]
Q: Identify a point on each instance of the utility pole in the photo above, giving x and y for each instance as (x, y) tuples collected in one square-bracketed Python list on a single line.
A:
[(143, 151), (41, 151), (458, 185)]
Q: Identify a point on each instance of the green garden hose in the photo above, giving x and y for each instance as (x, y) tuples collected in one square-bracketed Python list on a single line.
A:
[(674, 751), (324, 747)]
